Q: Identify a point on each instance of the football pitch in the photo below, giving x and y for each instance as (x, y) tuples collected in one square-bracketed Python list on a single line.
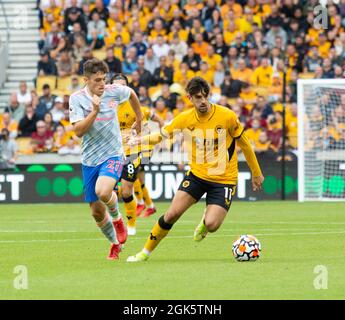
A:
[(64, 255)]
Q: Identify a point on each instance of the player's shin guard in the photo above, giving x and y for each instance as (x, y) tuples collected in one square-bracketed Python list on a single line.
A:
[(158, 232), (107, 229), (146, 196), (113, 206), (130, 207), (138, 191)]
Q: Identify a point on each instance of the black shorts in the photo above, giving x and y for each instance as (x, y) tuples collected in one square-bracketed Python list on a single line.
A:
[(216, 193), (131, 168)]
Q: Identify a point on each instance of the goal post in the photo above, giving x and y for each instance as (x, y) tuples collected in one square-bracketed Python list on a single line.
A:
[(321, 139)]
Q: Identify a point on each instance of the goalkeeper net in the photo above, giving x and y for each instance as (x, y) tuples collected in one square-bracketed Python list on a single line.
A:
[(321, 139)]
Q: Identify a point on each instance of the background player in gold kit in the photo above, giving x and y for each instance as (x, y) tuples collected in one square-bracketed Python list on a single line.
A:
[(210, 132), (126, 118)]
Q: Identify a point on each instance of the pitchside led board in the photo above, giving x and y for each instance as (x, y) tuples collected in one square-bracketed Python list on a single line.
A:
[(56, 183)]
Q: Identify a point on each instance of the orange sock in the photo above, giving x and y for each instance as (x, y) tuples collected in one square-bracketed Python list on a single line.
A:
[(130, 207), (158, 232)]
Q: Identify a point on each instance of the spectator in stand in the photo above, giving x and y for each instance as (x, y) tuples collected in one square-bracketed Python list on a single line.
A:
[(52, 38), (76, 32), (78, 48), (144, 97), (129, 65), (254, 132), (8, 123), (71, 148), (16, 109), (8, 151), (151, 61), (41, 139), (48, 119), (74, 15), (327, 70), (58, 110), (46, 101), (168, 97), (219, 74), (262, 76), (263, 144), (139, 44), (46, 66), (75, 84), (160, 48), (275, 31), (23, 94), (274, 133), (192, 59), (27, 124), (87, 55), (114, 64), (101, 9), (163, 74), (179, 46), (135, 83), (231, 88), (312, 60), (65, 64), (146, 77), (96, 31)]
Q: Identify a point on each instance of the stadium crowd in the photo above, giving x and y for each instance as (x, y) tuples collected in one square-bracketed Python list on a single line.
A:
[(240, 47)]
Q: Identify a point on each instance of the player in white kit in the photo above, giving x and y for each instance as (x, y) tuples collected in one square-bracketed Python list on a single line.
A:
[(94, 117)]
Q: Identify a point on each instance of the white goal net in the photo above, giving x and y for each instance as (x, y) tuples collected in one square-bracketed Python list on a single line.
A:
[(321, 139)]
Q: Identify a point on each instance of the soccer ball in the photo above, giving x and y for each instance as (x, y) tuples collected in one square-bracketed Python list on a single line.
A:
[(246, 248)]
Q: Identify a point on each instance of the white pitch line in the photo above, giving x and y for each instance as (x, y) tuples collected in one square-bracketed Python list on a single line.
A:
[(174, 237), (175, 230)]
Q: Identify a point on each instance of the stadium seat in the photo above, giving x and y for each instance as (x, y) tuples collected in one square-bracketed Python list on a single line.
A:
[(261, 90), (155, 92), (24, 146), (99, 54), (63, 83), (41, 80), (307, 75)]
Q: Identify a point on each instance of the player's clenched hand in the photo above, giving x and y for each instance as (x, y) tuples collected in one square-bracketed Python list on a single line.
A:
[(257, 182), (96, 103)]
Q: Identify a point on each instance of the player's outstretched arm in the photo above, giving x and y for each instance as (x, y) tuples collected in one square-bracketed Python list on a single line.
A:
[(149, 139), (83, 126), (253, 164), (135, 104)]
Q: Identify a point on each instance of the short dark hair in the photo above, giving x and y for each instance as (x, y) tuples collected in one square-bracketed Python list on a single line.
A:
[(94, 66), (119, 76), (196, 85)]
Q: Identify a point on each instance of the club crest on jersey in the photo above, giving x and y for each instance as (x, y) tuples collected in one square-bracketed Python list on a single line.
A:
[(219, 129)]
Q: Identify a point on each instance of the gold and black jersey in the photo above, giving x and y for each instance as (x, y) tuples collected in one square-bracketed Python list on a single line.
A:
[(210, 142)]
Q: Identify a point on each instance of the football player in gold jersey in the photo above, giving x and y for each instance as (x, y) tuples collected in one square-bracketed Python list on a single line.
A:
[(126, 118), (211, 133)]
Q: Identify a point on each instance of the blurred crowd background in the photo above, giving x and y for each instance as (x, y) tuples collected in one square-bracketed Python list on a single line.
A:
[(240, 47)]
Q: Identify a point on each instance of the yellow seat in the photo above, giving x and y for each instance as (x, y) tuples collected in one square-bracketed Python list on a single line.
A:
[(63, 83), (24, 145), (306, 75), (261, 90), (42, 80), (99, 54)]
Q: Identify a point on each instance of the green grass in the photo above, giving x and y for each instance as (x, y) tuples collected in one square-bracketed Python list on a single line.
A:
[(65, 254)]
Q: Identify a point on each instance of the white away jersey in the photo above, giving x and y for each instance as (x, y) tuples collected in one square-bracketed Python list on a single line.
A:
[(103, 140)]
